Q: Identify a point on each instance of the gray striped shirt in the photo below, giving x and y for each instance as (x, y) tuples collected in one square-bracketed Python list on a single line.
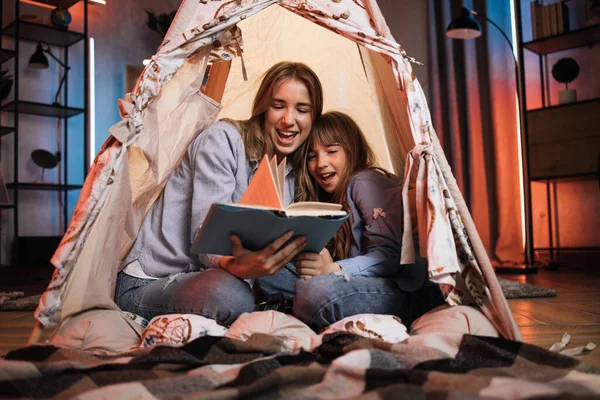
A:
[(215, 169)]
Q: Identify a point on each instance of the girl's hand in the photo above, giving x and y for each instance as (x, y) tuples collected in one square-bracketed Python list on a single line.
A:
[(313, 264), (268, 261)]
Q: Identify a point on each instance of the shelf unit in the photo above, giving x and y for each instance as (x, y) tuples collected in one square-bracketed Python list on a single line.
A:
[(582, 37), (6, 55), (21, 30), (568, 131), (45, 110)]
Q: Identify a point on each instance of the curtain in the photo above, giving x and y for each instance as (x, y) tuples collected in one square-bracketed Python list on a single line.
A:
[(473, 104)]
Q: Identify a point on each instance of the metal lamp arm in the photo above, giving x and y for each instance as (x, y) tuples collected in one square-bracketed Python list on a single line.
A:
[(60, 86), (65, 66), (512, 50), (49, 52)]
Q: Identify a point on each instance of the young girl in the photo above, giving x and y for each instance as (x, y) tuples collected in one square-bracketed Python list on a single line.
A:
[(340, 167), (160, 275)]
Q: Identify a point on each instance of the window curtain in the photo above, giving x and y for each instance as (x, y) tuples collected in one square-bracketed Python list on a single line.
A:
[(472, 96)]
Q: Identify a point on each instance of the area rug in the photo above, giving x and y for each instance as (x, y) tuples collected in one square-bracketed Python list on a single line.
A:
[(14, 301), (516, 290)]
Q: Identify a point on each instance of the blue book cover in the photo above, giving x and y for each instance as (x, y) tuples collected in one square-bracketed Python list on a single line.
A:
[(257, 227)]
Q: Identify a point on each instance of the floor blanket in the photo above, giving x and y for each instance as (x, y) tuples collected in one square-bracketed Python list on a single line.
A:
[(344, 365)]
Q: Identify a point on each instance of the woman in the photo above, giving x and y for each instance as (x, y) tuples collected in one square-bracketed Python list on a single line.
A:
[(160, 275), (340, 167)]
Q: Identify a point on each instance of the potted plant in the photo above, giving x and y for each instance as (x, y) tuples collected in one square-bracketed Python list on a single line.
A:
[(160, 23), (564, 71), (6, 83)]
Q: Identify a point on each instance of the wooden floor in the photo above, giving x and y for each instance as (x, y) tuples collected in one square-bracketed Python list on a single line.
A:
[(543, 321), (575, 310)]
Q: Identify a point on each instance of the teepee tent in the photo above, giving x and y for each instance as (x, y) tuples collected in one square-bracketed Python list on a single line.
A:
[(364, 73)]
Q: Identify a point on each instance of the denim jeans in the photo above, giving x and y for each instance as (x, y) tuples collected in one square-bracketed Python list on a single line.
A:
[(283, 282), (212, 293), (323, 300), (318, 302)]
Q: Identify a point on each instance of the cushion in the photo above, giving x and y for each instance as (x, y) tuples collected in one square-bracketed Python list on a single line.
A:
[(388, 328), (99, 332), (456, 319), (179, 329), (293, 333)]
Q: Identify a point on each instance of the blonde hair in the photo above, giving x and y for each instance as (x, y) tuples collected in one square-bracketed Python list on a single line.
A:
[(337, 128), (258, 142)]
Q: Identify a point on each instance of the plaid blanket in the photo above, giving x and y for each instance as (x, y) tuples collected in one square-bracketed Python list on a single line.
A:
[(344, 366)]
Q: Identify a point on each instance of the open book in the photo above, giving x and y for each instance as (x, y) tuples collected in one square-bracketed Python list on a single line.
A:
[(260, 217)]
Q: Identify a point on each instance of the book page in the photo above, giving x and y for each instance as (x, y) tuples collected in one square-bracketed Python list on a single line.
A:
[(275, 173), (262, 190), (314, 208), (281, 179)]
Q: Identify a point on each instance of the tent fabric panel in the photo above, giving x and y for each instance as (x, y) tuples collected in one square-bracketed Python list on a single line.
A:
[(88, 207), (392, 106), (184, 20), (445, 242), (213, 23), (502, 317), (130, 191), (93, 286), (347, 89)]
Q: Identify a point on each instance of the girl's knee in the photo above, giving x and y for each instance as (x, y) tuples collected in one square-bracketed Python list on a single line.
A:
[(213, 293), (314, 295), (230, 295)]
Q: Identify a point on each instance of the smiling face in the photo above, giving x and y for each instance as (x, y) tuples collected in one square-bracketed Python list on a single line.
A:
[(326, 164), (288, 120)]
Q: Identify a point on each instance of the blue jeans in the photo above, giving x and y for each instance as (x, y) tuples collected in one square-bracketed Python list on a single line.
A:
[(326, 299), (318, 302), (283, 282), (323, 300), (212, 293)]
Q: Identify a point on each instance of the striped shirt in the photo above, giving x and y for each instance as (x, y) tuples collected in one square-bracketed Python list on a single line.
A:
[(215, 169)]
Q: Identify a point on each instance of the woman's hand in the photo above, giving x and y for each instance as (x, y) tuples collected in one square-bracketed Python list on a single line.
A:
[(313, 264), (268, 261)]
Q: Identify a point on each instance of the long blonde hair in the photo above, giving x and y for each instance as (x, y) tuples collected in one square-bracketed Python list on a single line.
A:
[(258, 142), (337, 128)]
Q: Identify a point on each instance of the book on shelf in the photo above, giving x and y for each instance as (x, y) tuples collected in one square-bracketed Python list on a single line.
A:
[(546, 31), (553, 20), (261, 217), (549, 19), (535, 19), (563, 17)]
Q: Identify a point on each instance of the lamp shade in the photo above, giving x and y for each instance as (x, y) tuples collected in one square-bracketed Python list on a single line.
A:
[(45, 159), (465, 26), (38, 59)]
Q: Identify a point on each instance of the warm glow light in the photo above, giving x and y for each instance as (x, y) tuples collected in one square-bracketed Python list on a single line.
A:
[(37, 3), (50, 6), (519, 133), (146, 61), (92, 103)]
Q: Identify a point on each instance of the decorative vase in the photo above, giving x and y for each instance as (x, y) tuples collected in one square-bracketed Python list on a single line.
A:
[(567, 96), (60, 17)]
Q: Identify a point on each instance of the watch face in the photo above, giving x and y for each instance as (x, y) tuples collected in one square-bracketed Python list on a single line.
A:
[(60, 16)]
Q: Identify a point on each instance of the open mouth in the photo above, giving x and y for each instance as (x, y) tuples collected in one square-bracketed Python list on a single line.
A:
[(286, 136), (327, 177)]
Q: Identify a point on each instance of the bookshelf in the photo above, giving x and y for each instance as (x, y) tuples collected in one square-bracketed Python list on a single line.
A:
[(18, 31), (562, 140)]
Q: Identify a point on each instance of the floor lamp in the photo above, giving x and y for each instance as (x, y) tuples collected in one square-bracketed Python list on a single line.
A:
[(465, 26)]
